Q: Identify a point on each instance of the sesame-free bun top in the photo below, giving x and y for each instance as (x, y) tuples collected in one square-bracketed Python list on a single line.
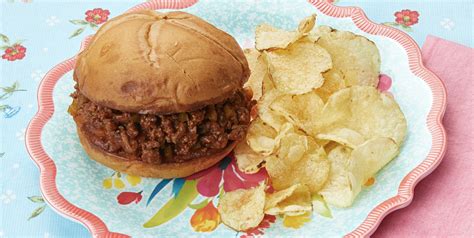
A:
[(151, 62)]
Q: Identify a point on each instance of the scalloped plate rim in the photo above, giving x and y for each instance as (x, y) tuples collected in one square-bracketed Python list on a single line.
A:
[(405, 191)]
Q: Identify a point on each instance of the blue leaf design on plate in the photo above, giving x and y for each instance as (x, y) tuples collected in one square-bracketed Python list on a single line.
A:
[(225, 162), (157, 189), (177, 185), (10, 111)]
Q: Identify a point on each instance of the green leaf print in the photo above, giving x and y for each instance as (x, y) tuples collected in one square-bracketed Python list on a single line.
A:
[(37, 212), (79, 22), (76, 32), (36, 199), (5, 39), (175, 206)]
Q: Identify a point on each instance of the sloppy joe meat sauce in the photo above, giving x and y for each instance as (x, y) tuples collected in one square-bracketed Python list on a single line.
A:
[(164, 138)]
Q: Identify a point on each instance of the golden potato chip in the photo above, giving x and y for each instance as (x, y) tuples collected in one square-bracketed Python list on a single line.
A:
[(311, 170), (333, 82), (267, 83), (351, 169), (310, 37), (269, 37), (342, 187), (300, 109), (248, 160), (307, 24), (273, 199), (315, 144), (266, 114), (292, 147), (243, 208), (365, 110), (330, 146), (333, 112), (343, 136), (258, 69), (284, 130), (356, 57), (293, 201), (298, 69), (261, 137), (320, 206), (368, 158)]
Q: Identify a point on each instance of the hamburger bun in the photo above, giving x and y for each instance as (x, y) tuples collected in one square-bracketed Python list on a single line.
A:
[(160, 63)]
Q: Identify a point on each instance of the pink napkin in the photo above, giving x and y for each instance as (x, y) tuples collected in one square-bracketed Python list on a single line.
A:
[(443, 205)]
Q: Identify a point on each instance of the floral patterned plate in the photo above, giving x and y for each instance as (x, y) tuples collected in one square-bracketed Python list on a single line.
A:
[(112, 204)]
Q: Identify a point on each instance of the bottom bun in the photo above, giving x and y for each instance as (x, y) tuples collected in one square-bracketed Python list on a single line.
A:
[(142, 169)]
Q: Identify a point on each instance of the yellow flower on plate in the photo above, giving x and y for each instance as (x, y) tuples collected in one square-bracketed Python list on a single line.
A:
[(118, 183), (107, 183), (296, 221), (133, 180), (205, 219)]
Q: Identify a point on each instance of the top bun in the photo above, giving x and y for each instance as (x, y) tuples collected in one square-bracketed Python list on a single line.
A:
[(160, 63)]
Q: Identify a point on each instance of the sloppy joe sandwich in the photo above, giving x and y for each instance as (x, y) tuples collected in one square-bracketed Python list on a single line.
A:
[(160, 94)]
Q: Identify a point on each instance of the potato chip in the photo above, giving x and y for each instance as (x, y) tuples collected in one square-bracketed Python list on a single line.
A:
[(269, 38), (315, 144), (330, 146), (307, 24), (267, 83), (365, 110), (266, 114), (311, 170), (356, 57), (320, 206), (292, 147), (333, 82), (293, 201), (299, 109), (243, 208), (261, 137), (351, 169), (272, 199), (342, 187), (370, 157), (334, 110), (298, 69), (258, 69), (343, 136), (248, 160)]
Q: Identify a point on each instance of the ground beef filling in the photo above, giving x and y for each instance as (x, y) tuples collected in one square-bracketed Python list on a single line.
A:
[(164, 138)]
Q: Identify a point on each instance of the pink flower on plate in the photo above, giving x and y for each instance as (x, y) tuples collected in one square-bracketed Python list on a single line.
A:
[(14, 52), (209, 180), (97, 16), (385, 82), (406, 17)]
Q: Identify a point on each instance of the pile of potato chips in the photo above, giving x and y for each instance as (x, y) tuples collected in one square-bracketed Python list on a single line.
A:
[(323, 129)]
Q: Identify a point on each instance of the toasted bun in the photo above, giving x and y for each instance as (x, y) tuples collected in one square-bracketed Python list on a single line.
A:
[(142, 169), (152, 62)]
